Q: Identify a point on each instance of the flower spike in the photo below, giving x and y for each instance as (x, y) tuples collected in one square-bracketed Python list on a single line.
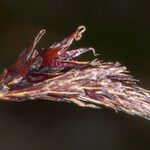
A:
[(55, 74)]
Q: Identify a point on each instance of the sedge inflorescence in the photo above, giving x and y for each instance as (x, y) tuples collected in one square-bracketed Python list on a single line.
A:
[(54, 74)]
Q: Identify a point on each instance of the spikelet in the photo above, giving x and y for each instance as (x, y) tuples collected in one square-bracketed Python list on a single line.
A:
[(54, 74)]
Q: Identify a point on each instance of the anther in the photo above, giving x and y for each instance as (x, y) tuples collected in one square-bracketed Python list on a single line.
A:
[(79, 32), (94, 52)]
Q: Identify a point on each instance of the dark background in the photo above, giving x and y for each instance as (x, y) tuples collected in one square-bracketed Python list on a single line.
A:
[(119, 30)]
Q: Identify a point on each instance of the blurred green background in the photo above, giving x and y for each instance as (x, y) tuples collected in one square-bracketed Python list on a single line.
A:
[(119, 30)]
